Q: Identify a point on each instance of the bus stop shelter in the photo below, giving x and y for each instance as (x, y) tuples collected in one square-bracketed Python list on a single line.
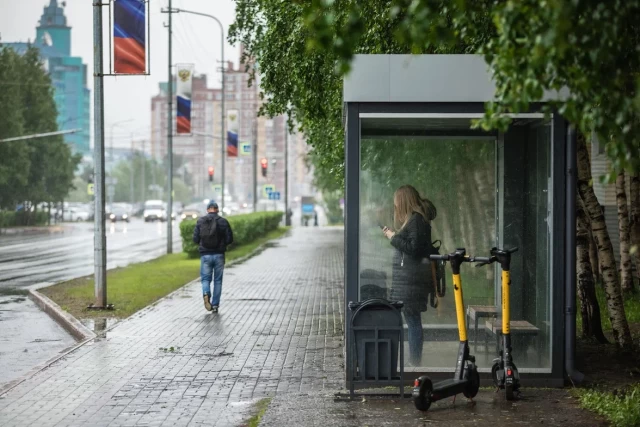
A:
[(409, 120)]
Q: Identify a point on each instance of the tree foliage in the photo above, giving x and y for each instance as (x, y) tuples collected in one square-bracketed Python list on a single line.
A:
[(297, 74), (589, 47), (34, 170)]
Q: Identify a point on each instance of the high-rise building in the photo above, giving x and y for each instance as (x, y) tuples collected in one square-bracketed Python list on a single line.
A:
[(68, 74)]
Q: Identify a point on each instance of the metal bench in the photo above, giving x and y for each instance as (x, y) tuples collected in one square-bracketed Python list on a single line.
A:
[(475, 313), (518, 328)]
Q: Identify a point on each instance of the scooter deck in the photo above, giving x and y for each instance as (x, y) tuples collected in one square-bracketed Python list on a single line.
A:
[(447, 388)]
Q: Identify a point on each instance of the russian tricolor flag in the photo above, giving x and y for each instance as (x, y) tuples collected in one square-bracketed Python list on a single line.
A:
[(183, 94), (129, 37)]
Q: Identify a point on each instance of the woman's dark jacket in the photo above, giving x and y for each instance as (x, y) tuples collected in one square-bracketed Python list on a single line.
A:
[(411, 275)]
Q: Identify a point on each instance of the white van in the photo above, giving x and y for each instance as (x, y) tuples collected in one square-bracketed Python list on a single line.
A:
[(154, 210)]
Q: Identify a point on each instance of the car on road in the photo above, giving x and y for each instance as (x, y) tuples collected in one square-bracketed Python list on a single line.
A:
[(154, 210), (192, 211), (119, 214), (76, 215)]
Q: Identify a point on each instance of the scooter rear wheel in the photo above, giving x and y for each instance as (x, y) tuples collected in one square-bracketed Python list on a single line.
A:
[(422, 400), (473, 385), (508, 392), (494, 375)]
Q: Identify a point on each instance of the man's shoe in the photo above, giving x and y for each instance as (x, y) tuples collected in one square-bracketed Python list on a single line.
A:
[(214, 308), (207, 303)]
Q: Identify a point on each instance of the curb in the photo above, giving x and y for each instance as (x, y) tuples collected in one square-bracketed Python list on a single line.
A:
[(64, 319)]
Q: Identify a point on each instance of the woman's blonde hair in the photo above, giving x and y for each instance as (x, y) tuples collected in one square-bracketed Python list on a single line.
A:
[(406, 201)]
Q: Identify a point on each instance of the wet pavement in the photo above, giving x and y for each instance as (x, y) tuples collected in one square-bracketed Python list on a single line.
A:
[(279, 331), (28, 337), (31, 259), (279, 334), (537, 407)]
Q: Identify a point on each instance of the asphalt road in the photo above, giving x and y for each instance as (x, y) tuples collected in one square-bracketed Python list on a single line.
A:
[(27, 260)]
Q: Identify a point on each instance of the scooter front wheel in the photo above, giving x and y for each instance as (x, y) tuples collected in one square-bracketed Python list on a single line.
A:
[(473, 385), (422, 393)]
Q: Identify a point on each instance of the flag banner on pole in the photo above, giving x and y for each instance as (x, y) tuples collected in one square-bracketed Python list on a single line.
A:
[(129, 40), (232, 133), (183, 95)]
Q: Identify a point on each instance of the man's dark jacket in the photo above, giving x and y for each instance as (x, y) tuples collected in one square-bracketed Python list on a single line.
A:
[(225, 235)]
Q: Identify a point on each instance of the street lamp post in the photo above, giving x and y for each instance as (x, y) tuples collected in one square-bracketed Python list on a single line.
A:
[(222, 139)]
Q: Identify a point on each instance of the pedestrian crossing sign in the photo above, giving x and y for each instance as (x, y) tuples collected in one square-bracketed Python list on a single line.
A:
[(90, 189)]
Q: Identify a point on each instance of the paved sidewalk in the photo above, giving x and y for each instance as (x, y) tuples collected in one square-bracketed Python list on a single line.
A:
[(279, 332)]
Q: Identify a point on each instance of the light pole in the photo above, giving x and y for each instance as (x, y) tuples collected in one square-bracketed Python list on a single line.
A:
[(222, 139)]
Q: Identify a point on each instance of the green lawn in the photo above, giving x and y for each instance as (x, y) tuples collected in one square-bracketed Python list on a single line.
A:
[(136, 286)]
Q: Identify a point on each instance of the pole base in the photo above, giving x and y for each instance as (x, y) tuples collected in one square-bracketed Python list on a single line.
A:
[(95, 307)]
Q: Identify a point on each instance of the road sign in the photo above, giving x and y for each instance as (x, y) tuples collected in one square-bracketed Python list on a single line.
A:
[(268, 188), (274, 195), (245, 148), (217, 188), (90, 189)]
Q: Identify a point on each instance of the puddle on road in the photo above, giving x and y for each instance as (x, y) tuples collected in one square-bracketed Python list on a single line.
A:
[(99, 324)]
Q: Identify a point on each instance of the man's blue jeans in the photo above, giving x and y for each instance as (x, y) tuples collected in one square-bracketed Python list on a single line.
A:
[(212, 265)]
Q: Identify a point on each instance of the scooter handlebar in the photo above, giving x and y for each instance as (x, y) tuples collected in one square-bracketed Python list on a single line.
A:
[(444, 257)]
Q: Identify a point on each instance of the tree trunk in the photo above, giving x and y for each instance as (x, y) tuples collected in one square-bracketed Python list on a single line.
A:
[(615, 305), (623, 226), (589, 308), (593, 256), (634, 218)]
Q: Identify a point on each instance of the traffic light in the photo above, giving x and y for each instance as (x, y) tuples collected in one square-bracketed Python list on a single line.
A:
[(210, 173), (264, 163)]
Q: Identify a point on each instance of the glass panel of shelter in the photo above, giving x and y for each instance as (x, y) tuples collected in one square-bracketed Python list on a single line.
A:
[(460, 172)]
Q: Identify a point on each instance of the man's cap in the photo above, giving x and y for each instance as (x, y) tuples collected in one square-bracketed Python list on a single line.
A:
[(212, 205)]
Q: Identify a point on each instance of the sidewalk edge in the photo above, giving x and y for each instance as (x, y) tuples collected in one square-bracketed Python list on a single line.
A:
[(64, 319)]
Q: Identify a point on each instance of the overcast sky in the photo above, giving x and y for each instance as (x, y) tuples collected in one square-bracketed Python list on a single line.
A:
[(195, 40)]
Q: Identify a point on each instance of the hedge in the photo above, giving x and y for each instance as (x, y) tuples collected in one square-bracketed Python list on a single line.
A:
[(246, 228), (12, 219)]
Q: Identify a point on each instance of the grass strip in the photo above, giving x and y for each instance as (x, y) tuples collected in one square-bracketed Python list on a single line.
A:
[(620, 407), (136, 286), (261, 407)]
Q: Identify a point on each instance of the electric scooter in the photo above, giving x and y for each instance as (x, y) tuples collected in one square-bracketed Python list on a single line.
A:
[(466, 379), (504, 371)]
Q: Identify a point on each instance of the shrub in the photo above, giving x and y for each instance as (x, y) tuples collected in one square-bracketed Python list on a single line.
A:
[(246, 228), (12, 219)]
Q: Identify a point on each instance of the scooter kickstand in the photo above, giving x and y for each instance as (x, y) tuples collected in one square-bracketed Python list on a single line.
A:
[(454, 398)]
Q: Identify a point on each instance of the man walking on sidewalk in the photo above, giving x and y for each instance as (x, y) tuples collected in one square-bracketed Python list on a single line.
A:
[(213, 235)]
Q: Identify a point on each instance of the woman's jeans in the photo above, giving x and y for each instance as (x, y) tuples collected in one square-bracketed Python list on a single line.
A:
[(415, 335), (212, 265)]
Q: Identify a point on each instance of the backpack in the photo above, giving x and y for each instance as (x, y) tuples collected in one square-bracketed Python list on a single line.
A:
[(209, 233)]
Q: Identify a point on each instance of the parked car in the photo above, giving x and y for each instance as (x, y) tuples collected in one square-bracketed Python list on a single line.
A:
[(76, 215), (119, 214)]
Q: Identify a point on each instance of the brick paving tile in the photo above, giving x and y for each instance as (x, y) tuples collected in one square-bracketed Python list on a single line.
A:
[(279, 330)]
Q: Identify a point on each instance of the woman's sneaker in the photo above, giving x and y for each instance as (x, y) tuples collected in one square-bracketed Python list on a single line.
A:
[(207, 303), (214, 308)]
